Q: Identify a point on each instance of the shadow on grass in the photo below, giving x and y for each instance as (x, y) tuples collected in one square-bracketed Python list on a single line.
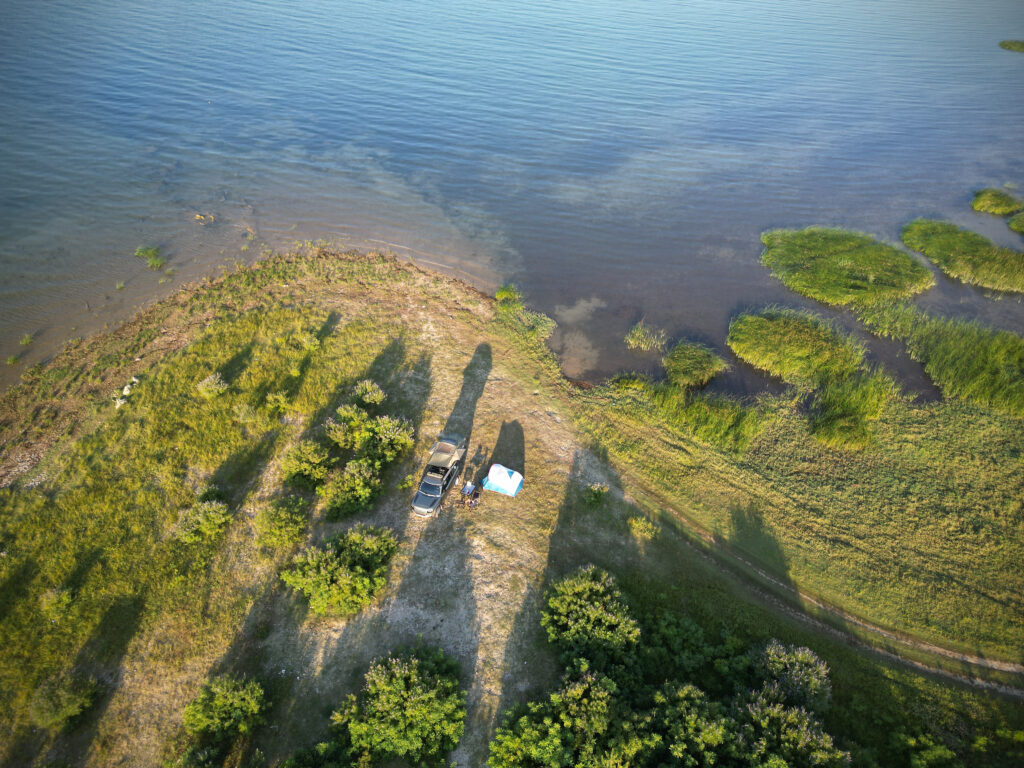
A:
[(298, 658), (474, 379), (100, 658)]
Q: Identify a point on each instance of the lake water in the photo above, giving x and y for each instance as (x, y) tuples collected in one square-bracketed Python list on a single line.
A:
[(616, 160)]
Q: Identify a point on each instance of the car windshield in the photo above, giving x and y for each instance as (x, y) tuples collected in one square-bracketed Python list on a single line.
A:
[(425, 500), (430, 487)]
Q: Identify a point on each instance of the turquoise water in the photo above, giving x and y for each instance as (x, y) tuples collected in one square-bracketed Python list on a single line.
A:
[(617, 160)]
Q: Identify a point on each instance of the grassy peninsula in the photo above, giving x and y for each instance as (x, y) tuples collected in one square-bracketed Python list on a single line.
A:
[(189, 499)]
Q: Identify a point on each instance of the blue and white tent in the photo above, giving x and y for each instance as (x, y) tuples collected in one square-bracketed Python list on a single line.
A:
[(503, 480)]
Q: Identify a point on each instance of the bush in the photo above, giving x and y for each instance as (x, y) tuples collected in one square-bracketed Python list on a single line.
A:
[(368, 393), (595, 493), (352, 490), (226, 707), (212, 386), (282, 523), (797, 674), (771, 734), (642, 528), (997, 202), (697, 731), (351, 430), (642, 337), (347, 573), (692, 365), (203, 522), (568, 729), (586, 616), (307, 464), (410, 708)]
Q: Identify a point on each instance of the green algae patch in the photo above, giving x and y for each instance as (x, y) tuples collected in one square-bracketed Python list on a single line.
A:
[(997, 202), (965, 359), (1013, 45), (966, 255), (692, 365), (805, 350), (842, 268)]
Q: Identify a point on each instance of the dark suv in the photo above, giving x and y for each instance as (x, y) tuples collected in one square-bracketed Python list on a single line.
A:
[(443, 466)]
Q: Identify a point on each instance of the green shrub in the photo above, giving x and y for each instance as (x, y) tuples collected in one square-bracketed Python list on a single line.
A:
[(797, 674), (642, 337), (368, 393), (642, 528), (595, 493), (347, 573), (351, 430), (692, 365), (226, 707), (203, 522), (212, 386), (150, 255), (282, 523), (966, 255), (410, 708), (352, 490), (698, 732), (839, 267), (58, 700), (569, 729), (307, 464), (585, 615), (996, 201), (771, 733)]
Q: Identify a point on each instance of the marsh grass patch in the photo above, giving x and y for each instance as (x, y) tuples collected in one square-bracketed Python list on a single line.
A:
[(645, 338), (966, 255), (1012, 45), (151, 255), (692, 365), (964, 359), (997, 202), (807, 351), (835, 266)]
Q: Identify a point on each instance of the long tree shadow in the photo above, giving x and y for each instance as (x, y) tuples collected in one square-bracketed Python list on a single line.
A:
[(100, 658), (474, 379), (509, 451)]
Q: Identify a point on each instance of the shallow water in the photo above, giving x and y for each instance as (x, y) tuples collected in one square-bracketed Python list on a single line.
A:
[(617, 160)]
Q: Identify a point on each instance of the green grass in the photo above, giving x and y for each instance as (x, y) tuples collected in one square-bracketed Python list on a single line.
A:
[(966, 255), (805, 350), (151, 255), (13, 359), (643, 338), (692, 365), (966, 360), (1012, 45), (997, 202), (839, 267), (25, 340), (798, 347), (1016, 223)]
